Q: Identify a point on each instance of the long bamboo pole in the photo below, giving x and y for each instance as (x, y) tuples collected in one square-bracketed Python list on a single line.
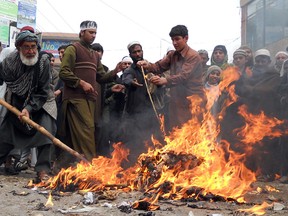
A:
[(42, 130)]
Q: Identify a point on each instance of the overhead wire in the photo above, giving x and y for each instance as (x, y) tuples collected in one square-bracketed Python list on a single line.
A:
[(47, 20), (133, 21), (144, 28), (62, 18), (119, 12)]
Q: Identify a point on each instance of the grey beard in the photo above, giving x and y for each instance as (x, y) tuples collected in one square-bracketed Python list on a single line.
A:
[(30, 61)]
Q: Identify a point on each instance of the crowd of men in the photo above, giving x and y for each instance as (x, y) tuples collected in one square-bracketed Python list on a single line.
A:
[(89, 107)]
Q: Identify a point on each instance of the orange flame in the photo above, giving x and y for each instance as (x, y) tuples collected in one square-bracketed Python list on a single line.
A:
[(258, 126), (271, 188), (199, 160), (49, 202), (230, 75), (102, 171), (257, 209)]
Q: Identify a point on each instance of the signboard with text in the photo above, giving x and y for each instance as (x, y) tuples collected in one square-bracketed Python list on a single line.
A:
[(26, 13), (52, 45), (4, 31), (9, 9)]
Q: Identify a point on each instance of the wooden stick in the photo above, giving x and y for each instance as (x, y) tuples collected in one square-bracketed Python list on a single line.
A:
[(43, 131), (149, 94)]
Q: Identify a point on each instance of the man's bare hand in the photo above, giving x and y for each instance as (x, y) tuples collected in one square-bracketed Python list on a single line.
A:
[(25, 113), (119, 67), (118, 88), (57, 92), (135, 83), (87, 87), (158, 80), (144, 63)]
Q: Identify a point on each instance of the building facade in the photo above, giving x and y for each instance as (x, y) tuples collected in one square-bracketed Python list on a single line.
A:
[(50, 41), (265, 24)]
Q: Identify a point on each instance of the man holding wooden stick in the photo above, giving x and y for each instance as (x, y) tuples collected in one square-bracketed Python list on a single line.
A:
[(185, 78), (28, 79)]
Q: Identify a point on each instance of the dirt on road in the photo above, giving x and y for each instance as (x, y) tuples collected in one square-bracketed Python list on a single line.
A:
[(17, 199)]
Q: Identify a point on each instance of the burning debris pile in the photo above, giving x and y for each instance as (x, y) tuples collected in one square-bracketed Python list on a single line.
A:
[(193, 165), (161, 175), (151, 167)]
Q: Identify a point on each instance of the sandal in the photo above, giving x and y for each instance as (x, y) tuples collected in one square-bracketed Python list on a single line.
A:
[(21, 165)]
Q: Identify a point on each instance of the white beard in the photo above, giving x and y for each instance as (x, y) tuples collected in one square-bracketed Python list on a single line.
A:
[(29, 61)]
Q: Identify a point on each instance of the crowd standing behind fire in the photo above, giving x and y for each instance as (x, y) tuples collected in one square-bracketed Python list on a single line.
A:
[(136, 93)]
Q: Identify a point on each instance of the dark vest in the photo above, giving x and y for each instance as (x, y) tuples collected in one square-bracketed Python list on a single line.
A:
[(86, 69)]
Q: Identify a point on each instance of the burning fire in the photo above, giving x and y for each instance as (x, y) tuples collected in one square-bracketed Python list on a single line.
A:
[(270, 188), (257, 209), (257, 127), (49, 202), (192, 165)]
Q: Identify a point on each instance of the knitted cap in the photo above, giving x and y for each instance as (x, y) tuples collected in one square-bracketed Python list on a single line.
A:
[(210, 69), (202, 51), (213, 68), (240, 52)]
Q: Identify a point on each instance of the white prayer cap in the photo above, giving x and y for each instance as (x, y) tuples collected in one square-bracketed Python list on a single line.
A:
[(281, 52), (262, 52), (88, 25), (133, 43), (127, 59)]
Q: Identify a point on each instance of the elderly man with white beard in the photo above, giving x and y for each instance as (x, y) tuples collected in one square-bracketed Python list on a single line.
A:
[(28, 79)]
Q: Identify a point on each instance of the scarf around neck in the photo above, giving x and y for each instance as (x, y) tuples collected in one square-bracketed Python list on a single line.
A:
[(16, 75)]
